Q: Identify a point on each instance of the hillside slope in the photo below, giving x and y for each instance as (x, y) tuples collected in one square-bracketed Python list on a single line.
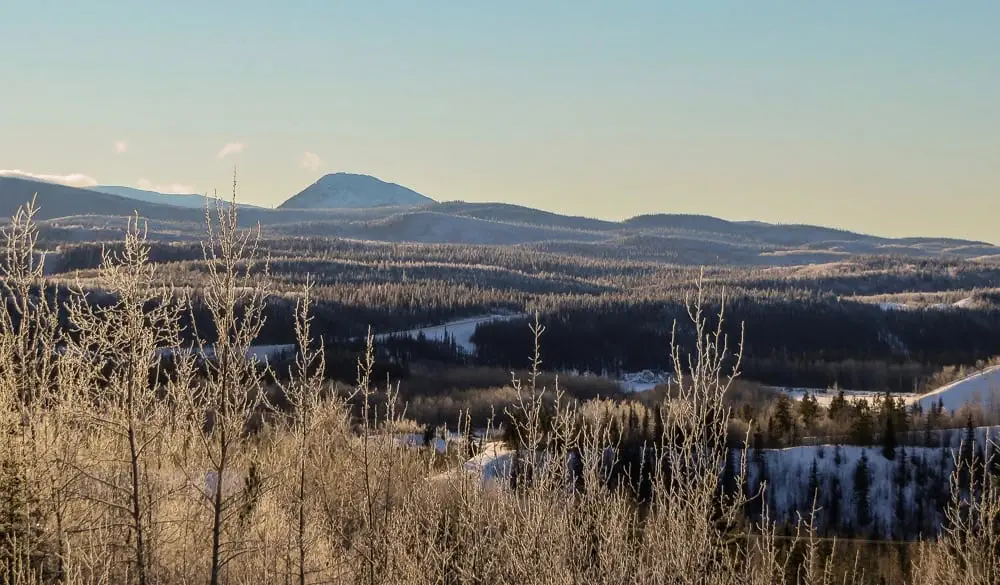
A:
[(982, 388), (186, 200), (56, 201)]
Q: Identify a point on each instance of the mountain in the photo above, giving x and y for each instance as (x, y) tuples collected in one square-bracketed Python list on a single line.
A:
[(187, 200), (347, 191), (372, 210), (177, 200), (60, 201)]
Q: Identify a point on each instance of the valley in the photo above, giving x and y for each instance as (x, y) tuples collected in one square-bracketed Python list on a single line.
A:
[(867, 366)]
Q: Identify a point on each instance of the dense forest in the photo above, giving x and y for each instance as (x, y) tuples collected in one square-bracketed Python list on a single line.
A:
[(867, 323)]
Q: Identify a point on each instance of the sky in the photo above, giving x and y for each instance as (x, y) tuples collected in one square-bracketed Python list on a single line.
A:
[(880, 117)]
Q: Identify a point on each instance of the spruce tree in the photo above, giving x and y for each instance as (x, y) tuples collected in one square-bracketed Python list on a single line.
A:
[(967, 456), (861, 491), (889, 440), (901, 478), (861, 429), (809, 410), (812, 491), (834, 503), (783, 423), (839, 408)]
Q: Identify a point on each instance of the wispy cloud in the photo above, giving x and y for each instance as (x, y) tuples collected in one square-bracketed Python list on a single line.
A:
[(72, 179), (121, 147), (171, 189), (231, 148), (310, 161)]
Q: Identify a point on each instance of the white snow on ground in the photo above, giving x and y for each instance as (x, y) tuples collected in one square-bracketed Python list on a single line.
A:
[(895, 307), (257, 352), (888, 306), (490, 468), (788, 472), (461, 330), (823, 396), (967, 302), (643, 381), (982, 388), (440, 444)]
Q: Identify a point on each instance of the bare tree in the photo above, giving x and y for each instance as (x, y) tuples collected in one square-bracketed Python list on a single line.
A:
[(29, 338), (303, 394), (124, 343), (223, 408)]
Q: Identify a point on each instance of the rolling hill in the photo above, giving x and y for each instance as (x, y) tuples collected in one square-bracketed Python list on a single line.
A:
[(57, 201), (377, 211), (186, 200)]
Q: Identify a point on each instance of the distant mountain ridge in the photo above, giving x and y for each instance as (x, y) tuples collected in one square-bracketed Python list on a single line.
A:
[(57, 201), (186, 200), (352, 191), (74, 214)]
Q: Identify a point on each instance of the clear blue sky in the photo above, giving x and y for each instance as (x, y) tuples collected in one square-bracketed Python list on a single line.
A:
[(876, 116)]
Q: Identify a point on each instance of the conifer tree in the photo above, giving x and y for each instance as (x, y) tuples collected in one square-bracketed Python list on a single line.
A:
[(861, 429), (834, 498), (889, 440), (809, 411), (861, 489)]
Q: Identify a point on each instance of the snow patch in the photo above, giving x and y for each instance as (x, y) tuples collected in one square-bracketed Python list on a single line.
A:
[(643, 381), (460, 330)]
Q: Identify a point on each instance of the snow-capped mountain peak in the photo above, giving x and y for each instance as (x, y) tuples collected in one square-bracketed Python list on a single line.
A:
[(348, 190)]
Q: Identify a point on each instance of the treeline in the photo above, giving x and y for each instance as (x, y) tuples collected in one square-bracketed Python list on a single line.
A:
[(806, 343)]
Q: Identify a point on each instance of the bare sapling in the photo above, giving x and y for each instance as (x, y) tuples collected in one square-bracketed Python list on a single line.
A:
[(122, 345), (29, 335), (303, 393), (224, 407)]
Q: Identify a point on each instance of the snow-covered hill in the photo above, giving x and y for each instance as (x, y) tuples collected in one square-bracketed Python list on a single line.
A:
[(189, 200), (982, 388), (904, 495), (347, 190), (186, 200)]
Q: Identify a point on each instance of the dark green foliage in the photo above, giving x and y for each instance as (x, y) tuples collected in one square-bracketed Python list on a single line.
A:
[(889, 441), (862, 432), (812, 489), (860, 492), (809, 410)]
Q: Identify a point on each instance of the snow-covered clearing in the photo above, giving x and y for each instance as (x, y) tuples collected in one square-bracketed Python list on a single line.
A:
[(982, 388), (461, 330)]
